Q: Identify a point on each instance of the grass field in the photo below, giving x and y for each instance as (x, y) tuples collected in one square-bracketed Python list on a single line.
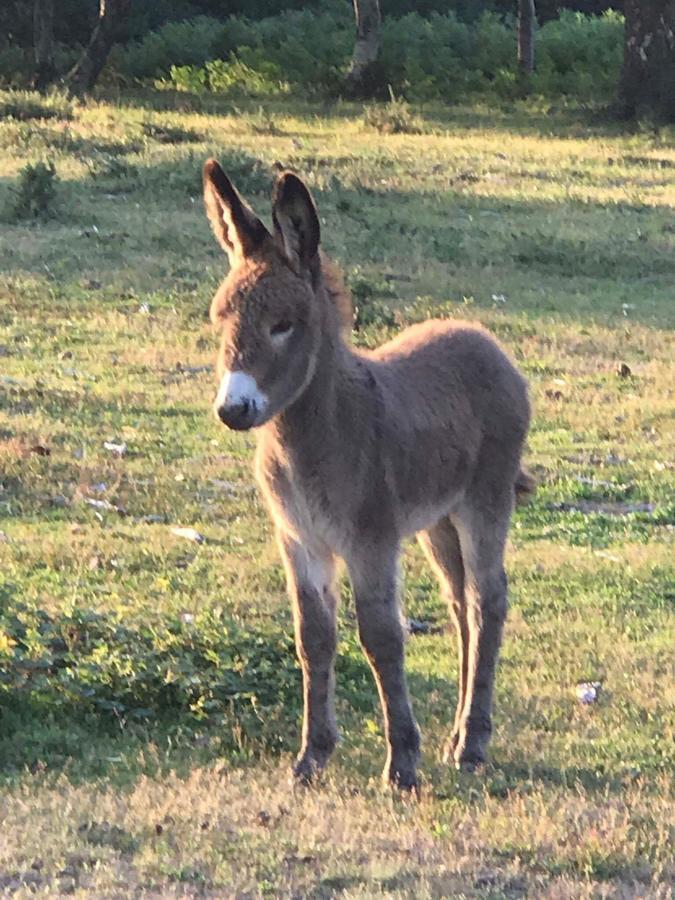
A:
[(149, 695)]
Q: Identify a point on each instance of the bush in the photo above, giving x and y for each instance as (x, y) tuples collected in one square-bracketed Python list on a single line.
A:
[(394, 117), (301, 47), (233, 77), (175, 44), (436, 58), (87, 666), (16, 66), (579, 56), (36, 192)]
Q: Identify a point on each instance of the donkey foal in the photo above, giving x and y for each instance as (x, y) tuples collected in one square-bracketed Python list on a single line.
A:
[(358, 450)]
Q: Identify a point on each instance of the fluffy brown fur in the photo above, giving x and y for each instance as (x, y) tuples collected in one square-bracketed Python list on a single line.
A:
[(359, 450)]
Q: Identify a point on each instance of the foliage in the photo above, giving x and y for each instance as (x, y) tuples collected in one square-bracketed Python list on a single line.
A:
[(34, 197), (175, 44), (72, 27), (394, 117), (579, 56), (301, 48), (232, 77), (367, 293), (439, 57), (208, 668)]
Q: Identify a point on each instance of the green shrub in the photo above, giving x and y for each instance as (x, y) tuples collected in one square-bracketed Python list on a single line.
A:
[(394, 117), (579, 56), (369, 309), (192, 79), (236, 76), (425, 58), (439, 57), (16, 66), (36, 192), (211, 671), (232, 77), (175, 44)]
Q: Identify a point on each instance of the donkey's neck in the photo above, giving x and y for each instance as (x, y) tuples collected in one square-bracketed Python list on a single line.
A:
[(306, 423), (317, 405)]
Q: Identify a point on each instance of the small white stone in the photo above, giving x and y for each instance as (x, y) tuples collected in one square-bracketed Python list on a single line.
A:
[(190, 534), (588, 691), (117, 449)]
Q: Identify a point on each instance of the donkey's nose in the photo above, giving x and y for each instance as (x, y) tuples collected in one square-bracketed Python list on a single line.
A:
[(240, 402), (238, 416)]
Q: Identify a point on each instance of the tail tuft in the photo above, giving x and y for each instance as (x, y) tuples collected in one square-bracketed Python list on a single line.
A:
[(524, 487)]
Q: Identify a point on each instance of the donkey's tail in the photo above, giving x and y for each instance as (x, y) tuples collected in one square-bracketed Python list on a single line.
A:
[(524, 487)]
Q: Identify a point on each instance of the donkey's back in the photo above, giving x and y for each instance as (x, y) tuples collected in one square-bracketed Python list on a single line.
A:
[(455, 412)]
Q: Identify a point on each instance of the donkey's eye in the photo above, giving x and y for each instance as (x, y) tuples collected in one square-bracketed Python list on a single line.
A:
[(281, 329)]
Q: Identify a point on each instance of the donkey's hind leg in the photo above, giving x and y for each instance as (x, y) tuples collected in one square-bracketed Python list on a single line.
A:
[(441, 546), (482, 528), (310, 576)]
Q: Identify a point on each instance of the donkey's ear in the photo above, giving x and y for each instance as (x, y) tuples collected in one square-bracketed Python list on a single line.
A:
[(236, 227), (296, 223)]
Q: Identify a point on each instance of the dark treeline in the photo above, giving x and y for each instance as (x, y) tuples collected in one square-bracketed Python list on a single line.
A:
[(75, 19), (419, 49)]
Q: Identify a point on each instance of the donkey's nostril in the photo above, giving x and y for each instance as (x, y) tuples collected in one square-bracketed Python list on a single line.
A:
[(239, 416)]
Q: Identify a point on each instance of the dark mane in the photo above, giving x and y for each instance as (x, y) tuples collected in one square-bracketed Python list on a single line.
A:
[(338, 292)]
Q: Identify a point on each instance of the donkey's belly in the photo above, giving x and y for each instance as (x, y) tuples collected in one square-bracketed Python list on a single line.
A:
[(341, 508), (343, 523), (420, 517)]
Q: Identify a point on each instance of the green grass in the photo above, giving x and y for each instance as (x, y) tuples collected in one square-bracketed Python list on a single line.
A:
[(149, 695)]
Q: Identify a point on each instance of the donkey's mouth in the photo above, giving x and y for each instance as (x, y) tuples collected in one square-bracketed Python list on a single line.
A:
[(238, 417)]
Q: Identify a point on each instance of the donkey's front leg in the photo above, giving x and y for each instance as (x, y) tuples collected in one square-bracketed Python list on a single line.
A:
[(375, 580), (310, 576)]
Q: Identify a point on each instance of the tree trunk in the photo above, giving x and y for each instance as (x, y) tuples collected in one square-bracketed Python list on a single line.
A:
[(367, 46), (526, 23), (648, 76), (84, 74), (43, 40)]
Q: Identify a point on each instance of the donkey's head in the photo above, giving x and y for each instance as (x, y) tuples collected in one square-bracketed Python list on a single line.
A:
[(266, 307)]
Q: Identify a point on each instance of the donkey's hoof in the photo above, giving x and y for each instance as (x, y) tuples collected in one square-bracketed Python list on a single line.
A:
[(402, 779), (470, 750), (305, 772), (308, 769), (469, 761), (470, 766)]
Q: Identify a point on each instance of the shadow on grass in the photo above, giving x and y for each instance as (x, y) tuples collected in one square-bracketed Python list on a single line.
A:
[(537, 118), (98, 695), (557, 253)]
